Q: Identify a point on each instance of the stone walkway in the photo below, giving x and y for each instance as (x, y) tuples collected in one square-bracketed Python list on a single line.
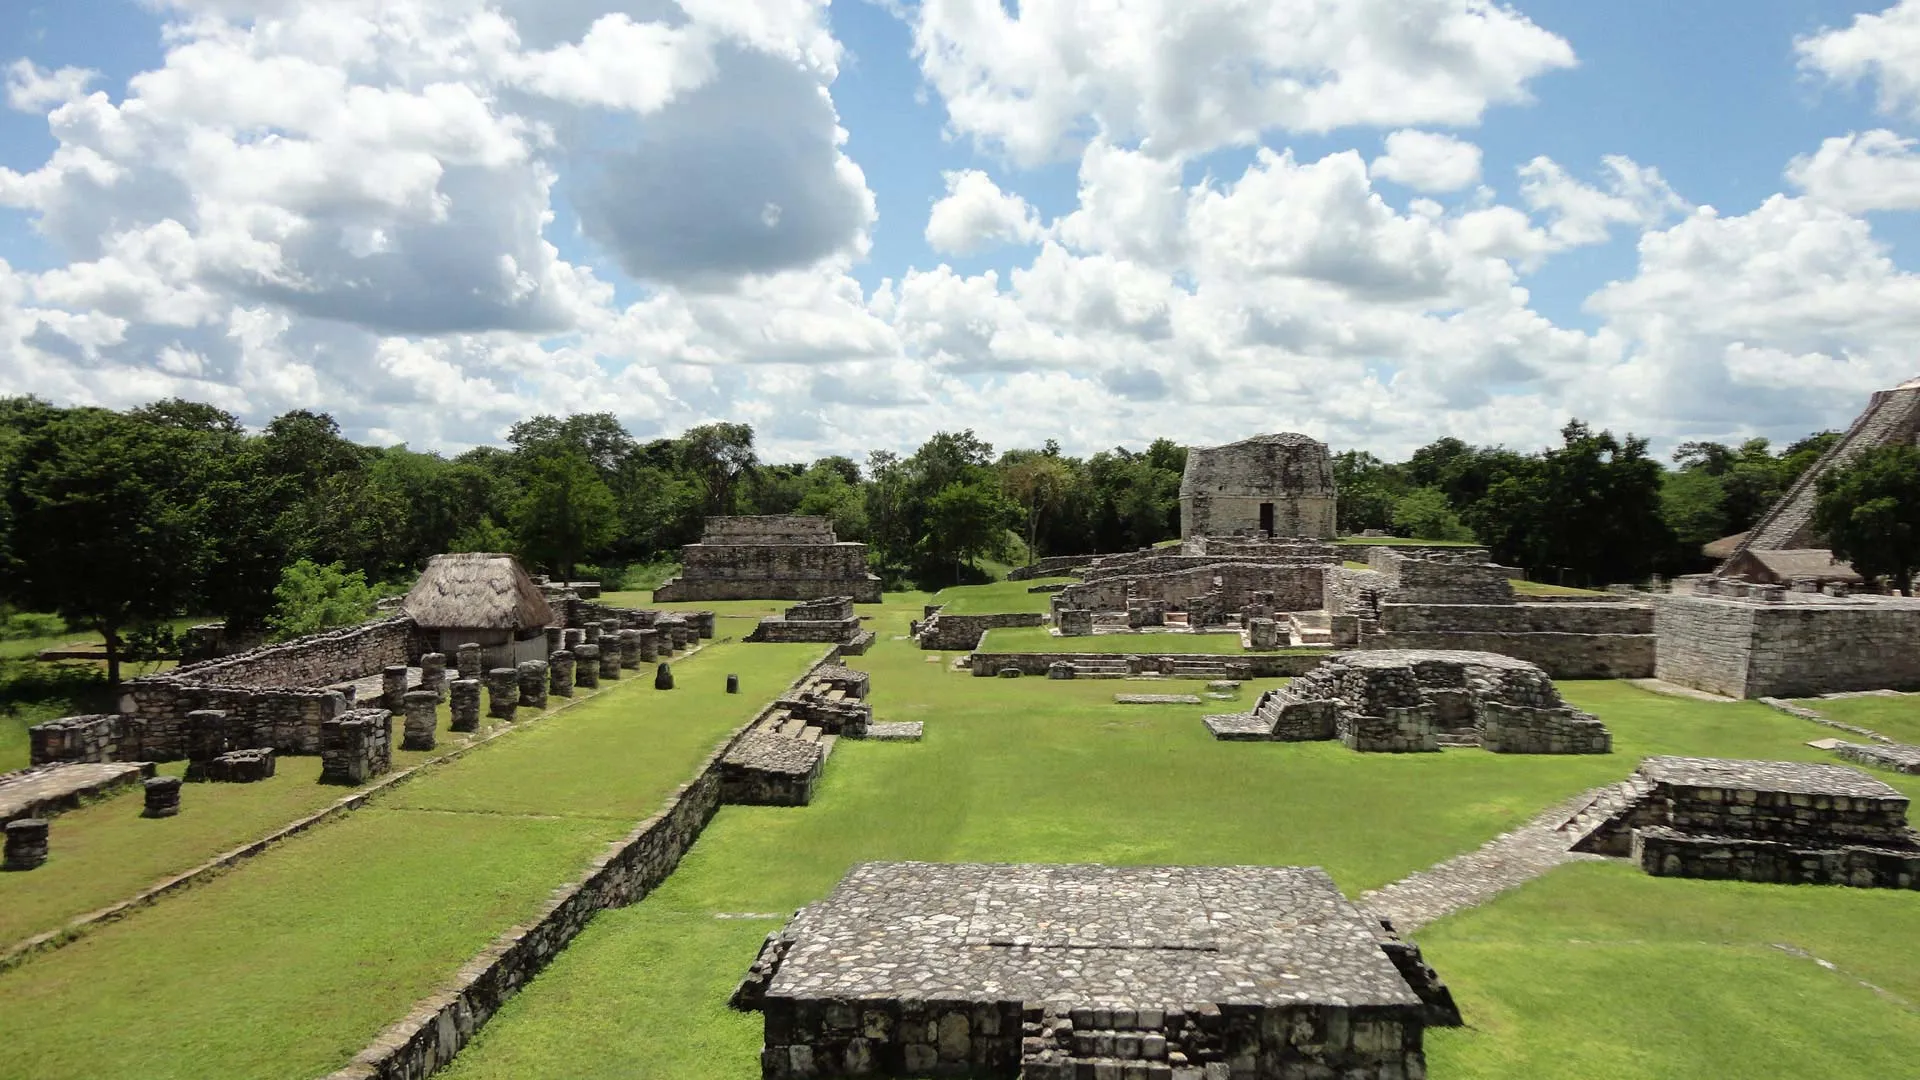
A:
[(1503, 863)]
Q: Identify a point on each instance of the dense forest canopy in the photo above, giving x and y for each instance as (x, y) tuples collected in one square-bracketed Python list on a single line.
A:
[(116, 520)]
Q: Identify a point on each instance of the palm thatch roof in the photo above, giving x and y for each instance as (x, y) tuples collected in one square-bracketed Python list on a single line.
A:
[(1815, 563), (1724, 547), (476, 591)]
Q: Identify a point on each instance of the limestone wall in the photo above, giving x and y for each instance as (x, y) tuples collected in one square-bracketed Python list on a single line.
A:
[(1563, 656), (1252, 665), (315, 660), (1747, 648), (780, 571), (1051, 566), (1600, 618), (1224, 488), (1428, 552), (1169, 563), (1295, 588), (769, 529), (1433, 581)]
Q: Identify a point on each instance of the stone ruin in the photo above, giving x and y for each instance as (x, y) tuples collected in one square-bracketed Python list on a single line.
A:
[(771, 558), (1783, 822), (356, 747), (1269, 485), (829, 620), (778, 760), (1054, 972), (1412, 701), (1748, 641)]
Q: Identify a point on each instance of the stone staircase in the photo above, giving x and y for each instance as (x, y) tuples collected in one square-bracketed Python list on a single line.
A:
[(1115, 668), (1604, 826), (1125, 1044), (1199, 667)]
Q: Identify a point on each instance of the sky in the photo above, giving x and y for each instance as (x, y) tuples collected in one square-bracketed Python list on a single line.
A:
[(853, 224)]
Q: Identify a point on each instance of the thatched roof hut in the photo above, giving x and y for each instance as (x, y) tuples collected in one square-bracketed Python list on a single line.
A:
[(485, 594)]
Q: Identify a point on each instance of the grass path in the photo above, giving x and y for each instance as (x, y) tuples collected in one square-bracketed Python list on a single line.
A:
[(1898, 718), (1019, 770), (287, 965)]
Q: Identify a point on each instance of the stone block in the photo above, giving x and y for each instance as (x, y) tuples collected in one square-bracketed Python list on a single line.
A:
[(433, 674), (464, 702), (162, 796), (586, 671), (26, 844), (533, 684), (423, 716), (393, 687), (630, 649), (467, 660), (560, 674), (242, 766), (503, 692), (1074, 622)]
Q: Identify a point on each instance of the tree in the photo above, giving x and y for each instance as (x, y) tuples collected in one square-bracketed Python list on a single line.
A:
[(1869, 511), (312, 597), (966, 521), (566, 514), (719, 455), (1038, 484), (109, 531), (1423, 513)]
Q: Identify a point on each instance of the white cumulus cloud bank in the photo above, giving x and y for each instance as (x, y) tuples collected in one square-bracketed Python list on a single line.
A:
[(1427, 161)]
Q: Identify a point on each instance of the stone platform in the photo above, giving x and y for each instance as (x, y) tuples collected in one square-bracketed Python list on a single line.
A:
[(45, 790), (770, 770), (1787, 822), (1071, 970), (1896, 757)]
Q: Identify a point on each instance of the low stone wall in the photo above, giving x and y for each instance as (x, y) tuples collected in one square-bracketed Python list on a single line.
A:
[(1173, 564), (1429, 552), (1051, 566), (1604, 618), (441, 1026), (315, 660), (1510, 729), (1418, 580), (1664, 852), (1563, 656), (1294, 588), (1254, 665), (956, 633)]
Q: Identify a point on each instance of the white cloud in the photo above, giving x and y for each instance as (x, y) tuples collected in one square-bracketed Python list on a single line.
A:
[(1581, 213), (31, 88), (1183, 76), (1858, 172), (975, 214), (1884, 47), (1427, 161)]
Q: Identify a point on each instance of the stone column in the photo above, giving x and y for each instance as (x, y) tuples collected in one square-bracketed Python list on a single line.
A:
[(649, 644), (533, 684), (553, 639), (503, 692), (683, 638), (560, 674), (733, 684), (609, 657), (464, 695), (163, 796), (393, 687), (422, 716), (703, 624), (433, 674), (586, 671), (1263, 634), (663, 677), (630, 649), (206, 737), (26, 844), (468, 660), (572, 638)]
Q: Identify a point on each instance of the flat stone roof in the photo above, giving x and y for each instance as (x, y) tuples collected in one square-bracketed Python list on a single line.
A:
[(1792, 777), (1399, 658), (32, 792), (1102, 936), (774, 753)]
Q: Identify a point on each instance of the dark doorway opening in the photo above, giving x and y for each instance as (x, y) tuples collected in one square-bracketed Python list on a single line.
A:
[(1266, 518)]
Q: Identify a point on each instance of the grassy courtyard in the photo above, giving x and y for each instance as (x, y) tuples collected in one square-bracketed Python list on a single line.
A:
[(1594, 970), (289, 963), (998, 597), (1038, 639), (1897, 718)]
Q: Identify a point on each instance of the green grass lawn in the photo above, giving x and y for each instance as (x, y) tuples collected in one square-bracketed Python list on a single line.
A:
[(1019, 770), (1037, 639), (290, 963), (997, 598), (1541, 588), (1897, 718)]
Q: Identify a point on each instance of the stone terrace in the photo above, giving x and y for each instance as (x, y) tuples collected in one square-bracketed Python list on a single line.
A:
[(909, 968)]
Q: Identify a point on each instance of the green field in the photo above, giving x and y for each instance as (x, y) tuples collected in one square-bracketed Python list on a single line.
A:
[(1898, 718), (288, 964), (998, 598), (1592, 971), (1525, 589)]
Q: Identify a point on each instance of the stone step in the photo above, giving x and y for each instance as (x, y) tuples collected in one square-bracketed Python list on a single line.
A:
[(1124, 1045), (1094, 1068), (1610, 807), (826, 745)]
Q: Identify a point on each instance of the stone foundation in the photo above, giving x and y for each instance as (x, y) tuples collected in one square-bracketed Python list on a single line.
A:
[(956, 633), (241, 767), (826, 621), (1800, 645), (770, 770), (779, 558)]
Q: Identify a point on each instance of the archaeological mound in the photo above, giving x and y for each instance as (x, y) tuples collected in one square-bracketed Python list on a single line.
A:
[(771, 558)]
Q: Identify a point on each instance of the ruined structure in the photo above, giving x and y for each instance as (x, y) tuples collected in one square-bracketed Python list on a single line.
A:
[(1891, 416), (1785, 822), (829, 621), (1401, 701), (1273, 485), (1054, 972), (1440, 601), (1729, 637), (777, 762), (488, 599), (771, 558)]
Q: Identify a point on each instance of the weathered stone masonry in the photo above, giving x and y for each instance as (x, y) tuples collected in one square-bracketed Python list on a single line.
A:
[(781, 557)]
